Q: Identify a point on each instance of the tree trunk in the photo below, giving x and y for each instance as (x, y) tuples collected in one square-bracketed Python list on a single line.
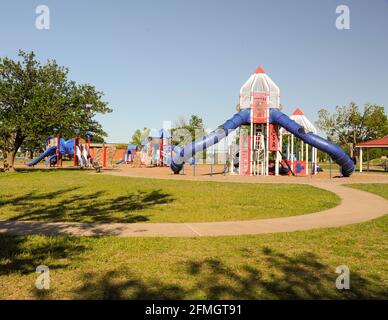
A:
[(13, 143), (351, 150), (9, 161)]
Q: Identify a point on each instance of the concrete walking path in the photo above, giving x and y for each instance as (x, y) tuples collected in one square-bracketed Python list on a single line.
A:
[(356, 206)]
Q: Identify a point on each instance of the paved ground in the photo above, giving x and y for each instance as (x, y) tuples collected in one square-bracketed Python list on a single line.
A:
[(356, 206), (202, 173)]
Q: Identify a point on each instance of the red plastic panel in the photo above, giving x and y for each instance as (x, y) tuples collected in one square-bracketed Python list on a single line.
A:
[(273, 137), (260, 107), (245, 147)]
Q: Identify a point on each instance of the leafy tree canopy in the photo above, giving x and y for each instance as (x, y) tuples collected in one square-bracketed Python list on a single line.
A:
[(37, 100), (348, 125), (193, 127), (139, 136)]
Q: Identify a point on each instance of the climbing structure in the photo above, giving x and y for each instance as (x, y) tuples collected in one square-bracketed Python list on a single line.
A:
[(260, 146)]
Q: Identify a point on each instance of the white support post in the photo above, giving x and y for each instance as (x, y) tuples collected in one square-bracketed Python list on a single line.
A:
[(288, 148), (307, 159), (315, 161), (301, 151), (239, 152), (267, 145), (312, 160), (251, 148), (292, 153), (360, 159), (278, 157), (262, 162)]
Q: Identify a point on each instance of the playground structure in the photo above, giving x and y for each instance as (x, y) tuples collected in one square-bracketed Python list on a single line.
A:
[(128, 155), (259, 138), (297, 152), (57, 147), (258, 148), (156, 151), (84, 155)]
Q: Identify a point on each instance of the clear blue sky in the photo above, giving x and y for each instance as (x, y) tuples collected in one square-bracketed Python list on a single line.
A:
[(157, 60)]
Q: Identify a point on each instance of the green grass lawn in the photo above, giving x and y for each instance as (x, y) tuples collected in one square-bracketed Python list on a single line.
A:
[(295, 265), (381, 189), (87, 197)]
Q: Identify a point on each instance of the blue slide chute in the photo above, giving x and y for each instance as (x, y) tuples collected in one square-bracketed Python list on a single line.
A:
[(65, 147), (333, 150), (49, 152), (184, 154), (276, 117)]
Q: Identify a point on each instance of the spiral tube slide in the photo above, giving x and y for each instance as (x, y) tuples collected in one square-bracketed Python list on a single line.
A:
[(333, 150), (182, 155)]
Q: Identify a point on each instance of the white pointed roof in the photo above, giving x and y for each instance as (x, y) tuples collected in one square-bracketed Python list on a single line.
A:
[(259, 82), (299, 117)]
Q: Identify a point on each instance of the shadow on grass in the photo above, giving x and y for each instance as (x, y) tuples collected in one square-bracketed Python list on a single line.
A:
[(21, 255), (120, 284), (84, 206), (301, 276)]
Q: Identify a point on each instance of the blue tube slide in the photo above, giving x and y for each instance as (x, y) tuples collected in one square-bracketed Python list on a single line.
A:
[(276, 117), (182, 155), (49, 152), (65, 147), (333, 150)]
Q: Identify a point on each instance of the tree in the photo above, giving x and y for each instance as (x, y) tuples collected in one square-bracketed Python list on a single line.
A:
[(139, 136), (348, 126), (38, 100), (194, 127), (34, 144)]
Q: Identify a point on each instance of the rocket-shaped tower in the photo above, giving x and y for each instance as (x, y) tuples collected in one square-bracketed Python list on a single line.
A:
[(259, 83), (260, 140)]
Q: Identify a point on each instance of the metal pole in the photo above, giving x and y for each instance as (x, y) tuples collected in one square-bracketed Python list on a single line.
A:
[(75, 151), (212, 161), (277, 157), (288, 148), (267, 144), (331, 162), (307, 159), (292, 153), (104, 156), (161, 152), (367, 159), (301, 151), (312, 156), (194, 165), (58, 149), (225, 150), (251, 146)]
